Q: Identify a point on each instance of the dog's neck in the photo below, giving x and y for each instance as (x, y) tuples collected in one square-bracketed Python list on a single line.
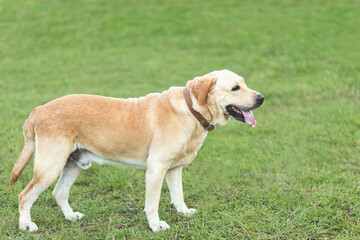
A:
[(214, 115), (202, 120)]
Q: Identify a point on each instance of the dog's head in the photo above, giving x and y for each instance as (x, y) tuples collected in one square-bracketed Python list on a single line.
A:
[(224, 94)]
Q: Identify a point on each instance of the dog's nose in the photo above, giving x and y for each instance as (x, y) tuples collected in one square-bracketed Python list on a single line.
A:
[(259, 99)]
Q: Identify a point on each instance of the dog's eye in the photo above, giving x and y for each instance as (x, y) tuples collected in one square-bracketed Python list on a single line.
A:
[(237, 87)]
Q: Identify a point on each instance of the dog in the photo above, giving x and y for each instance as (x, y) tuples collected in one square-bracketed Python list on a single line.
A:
[(160, 133)]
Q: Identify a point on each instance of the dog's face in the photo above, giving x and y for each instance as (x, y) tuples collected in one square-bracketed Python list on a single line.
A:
[(225, 94)]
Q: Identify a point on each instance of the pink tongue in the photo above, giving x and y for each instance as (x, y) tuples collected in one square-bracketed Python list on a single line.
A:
[(249, 118)]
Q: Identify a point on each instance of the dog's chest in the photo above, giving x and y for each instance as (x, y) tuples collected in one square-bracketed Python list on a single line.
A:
[(189, 150)]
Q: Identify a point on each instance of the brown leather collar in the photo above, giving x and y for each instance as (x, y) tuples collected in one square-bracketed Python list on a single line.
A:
[(209, 127)]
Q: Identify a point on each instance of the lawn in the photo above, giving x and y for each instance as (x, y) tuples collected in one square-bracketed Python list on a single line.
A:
[(294, 176)]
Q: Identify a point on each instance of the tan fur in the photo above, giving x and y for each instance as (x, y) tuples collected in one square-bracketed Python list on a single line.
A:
[(156, 131), (200, 87), (26, 153)]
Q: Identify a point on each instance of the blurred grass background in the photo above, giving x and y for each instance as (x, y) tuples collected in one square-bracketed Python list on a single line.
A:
[(295, 176)]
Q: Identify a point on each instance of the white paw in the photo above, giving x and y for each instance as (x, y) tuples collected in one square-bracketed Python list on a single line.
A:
[(189, 212), (74, 216), (159, 226), (30, 227)]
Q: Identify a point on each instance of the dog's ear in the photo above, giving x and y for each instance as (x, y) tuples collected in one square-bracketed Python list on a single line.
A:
[(200, 86)]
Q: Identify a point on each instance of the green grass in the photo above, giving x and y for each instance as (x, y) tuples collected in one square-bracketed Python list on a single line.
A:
[(295, 176)]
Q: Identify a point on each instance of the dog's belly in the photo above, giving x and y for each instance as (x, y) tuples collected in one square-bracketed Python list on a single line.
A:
[(84, 158)]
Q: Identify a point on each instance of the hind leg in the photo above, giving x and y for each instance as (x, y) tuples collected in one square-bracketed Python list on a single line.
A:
[(61, 191), (50, 159)]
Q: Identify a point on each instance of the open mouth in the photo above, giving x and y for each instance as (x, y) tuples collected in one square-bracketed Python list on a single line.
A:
[(241, 115)]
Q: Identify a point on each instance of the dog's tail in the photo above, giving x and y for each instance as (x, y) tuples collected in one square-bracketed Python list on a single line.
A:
[(26, 153)]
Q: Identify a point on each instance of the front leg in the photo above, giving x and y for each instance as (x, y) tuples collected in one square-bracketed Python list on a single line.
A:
[(174, 181), (154, 178)]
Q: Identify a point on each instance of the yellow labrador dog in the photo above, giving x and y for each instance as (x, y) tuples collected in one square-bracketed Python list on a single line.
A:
[(159, 133)]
